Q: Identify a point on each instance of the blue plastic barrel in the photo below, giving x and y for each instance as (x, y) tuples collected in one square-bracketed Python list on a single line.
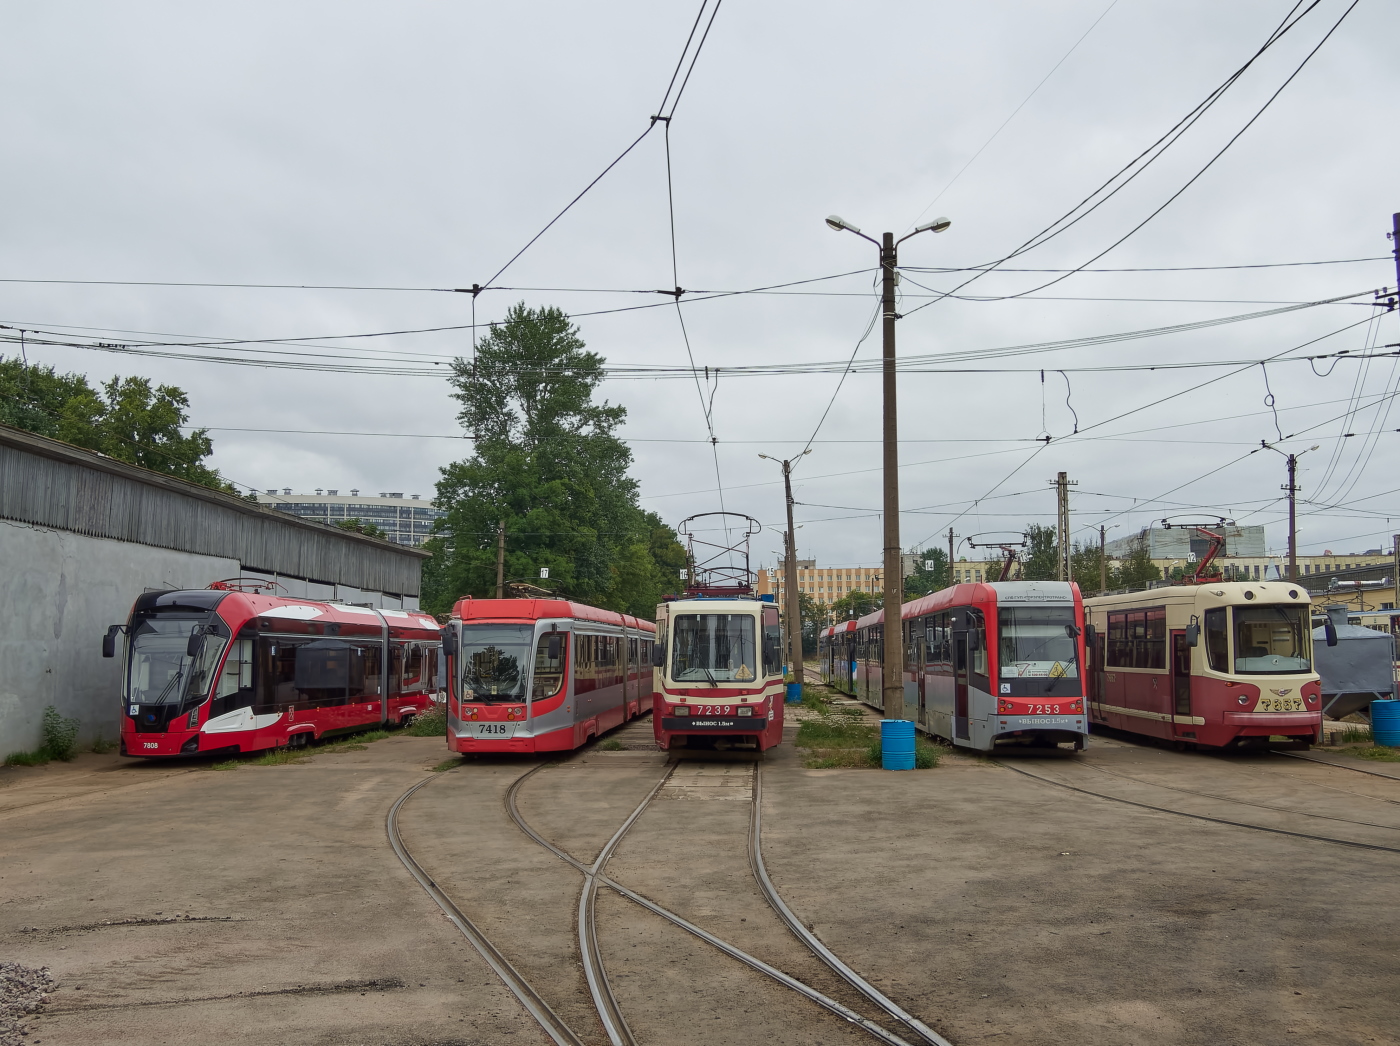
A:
[(794, 693), (1385, 723), (897, 744)]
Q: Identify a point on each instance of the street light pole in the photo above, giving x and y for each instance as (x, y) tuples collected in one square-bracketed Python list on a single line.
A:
[(793, 610), (1291, 488), (892, 663)]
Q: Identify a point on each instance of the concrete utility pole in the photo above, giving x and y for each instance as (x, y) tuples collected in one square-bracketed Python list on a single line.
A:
[(501, 560), (1103, 559), (793, 609), (1292, 489), (1395, 572), (1062, 483), (892, 666)]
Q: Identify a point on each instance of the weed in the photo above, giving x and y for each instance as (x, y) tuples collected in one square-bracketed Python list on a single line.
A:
[(60, 734), (830, 732), (102, 746), (1380, 752), (843, 758), (612, 744), (815, 700), (38, 757), (278, 757), (432, 723), (355, 742), (446, 764), (228, 764)]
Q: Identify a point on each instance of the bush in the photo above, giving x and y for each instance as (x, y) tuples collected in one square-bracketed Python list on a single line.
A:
[(60, 734), (432, 723)]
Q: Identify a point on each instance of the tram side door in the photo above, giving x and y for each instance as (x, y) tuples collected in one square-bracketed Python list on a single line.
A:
[(1181, 681), (960, 666)]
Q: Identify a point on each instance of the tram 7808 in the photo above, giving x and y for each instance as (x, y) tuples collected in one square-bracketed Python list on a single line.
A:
[(1213, 664), (718, 673), (542, 675), (221, 669), (987, 664)]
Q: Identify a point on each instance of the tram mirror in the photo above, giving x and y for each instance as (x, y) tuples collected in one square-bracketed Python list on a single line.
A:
[(1329, 629), (974, 641), (1072, 631), (1091, 635), (449, 642), (193, 644), (1193, 634), (109, 641), (658, 656), (555, 647)]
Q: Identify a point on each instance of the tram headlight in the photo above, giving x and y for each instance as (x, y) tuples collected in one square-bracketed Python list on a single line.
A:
[(745, 710), (1243, 699), (1005, 706), (681, 710)]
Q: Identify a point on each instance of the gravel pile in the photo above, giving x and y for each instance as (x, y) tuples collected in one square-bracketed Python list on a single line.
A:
[(23, 993)]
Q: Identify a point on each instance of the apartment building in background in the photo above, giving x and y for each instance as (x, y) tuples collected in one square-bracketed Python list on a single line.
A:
[(406, 520)]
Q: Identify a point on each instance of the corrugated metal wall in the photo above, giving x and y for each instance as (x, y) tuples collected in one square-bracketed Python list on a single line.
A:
[(51, 484)]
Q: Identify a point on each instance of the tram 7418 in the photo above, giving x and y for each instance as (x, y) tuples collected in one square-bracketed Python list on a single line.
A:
[(718, 673), (542, 675), (221, 669), (1219, 664)]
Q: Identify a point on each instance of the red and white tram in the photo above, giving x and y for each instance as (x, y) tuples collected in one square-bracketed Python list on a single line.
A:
[(222, 669), (1216, 663), (836, 654), (542, 675), (718, 673), (989, 664)]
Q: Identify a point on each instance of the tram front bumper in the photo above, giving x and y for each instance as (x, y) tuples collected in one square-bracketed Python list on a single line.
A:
[(709, 724)]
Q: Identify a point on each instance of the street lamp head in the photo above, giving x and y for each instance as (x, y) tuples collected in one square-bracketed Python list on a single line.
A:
[(937, 225), (765, 457), (809, 450), (840, 224)]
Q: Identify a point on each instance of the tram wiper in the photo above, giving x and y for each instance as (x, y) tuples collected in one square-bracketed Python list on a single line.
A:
[(179, 674)]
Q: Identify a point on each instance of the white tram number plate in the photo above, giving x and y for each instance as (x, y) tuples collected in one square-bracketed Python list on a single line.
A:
[(1280, 704), (491, 729)]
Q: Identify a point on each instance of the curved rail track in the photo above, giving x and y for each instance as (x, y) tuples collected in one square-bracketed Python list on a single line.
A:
[(600, 988), (1213, 820)]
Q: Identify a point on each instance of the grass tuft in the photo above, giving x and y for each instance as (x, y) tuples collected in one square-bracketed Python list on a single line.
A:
[(38, 757), (430, 724), (612, 744), (102, 746), (1351, 735), (447, 764), (228, 764), (834, 732), (279, 757), (1378, 752)]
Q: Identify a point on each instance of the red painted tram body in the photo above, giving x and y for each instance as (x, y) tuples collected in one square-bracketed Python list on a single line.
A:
[(718, 673), (1218, 664), (225, 670), (542, 675), (986, 664)]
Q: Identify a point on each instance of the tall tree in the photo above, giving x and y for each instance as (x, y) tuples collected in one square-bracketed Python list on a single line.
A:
[(1136, 568), (855, 603), (548, 466), (125, 418), (926, 579), (1039, 559)]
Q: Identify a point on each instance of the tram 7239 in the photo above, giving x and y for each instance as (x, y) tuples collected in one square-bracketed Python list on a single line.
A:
[(718, 673)]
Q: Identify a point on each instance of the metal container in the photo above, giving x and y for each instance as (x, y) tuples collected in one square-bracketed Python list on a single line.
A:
[(1385, 723), (897, 744)]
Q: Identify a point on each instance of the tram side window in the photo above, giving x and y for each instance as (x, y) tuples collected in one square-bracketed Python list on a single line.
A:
[(1217, 640), (372, 673), (430, 682), (978, 626), (1154, 651), (1138, 639), (312, 673), (235, 689), (548, 678), (412, 667)]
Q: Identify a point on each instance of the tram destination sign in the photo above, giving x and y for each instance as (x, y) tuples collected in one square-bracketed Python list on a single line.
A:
[(718, 724)]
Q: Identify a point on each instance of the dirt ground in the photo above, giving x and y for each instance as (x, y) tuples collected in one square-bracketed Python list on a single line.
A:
[(175, 902)]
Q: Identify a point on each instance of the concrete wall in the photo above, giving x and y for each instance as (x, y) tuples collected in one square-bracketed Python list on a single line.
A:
[(58, 593)]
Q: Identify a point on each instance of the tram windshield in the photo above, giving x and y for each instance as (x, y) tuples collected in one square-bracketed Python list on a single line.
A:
[(494, 660), (713, 648), (1273, 639), (160, 671), (1036, 642)]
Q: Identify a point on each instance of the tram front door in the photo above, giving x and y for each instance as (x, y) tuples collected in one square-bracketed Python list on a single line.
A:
[(1181, 686), (960, 729)]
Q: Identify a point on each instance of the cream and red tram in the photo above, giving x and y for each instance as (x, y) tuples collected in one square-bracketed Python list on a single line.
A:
[(1216, 663)]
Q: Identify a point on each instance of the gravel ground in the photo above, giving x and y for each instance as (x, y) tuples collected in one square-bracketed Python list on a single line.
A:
[(23, 993)]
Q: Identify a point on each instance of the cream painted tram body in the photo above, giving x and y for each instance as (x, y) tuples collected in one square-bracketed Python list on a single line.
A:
[(1217, 664)]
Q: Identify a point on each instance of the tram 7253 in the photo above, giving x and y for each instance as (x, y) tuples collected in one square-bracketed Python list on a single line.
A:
[(988, 664), (542, 675), (718, 673), (1214, 664), (220, 669)]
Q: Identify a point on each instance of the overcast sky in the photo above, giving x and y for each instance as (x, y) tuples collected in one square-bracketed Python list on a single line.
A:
[(420, 145)]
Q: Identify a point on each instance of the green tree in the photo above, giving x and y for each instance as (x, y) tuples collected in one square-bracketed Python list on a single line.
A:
[(548, 465), (1136, 568), (125, 418), (813, 620), (369, 530), (855, 604), (927, 579), (1039, 559), (1085, 566)]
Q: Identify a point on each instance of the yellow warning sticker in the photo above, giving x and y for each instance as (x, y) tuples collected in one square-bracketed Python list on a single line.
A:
[(1058, 671)]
